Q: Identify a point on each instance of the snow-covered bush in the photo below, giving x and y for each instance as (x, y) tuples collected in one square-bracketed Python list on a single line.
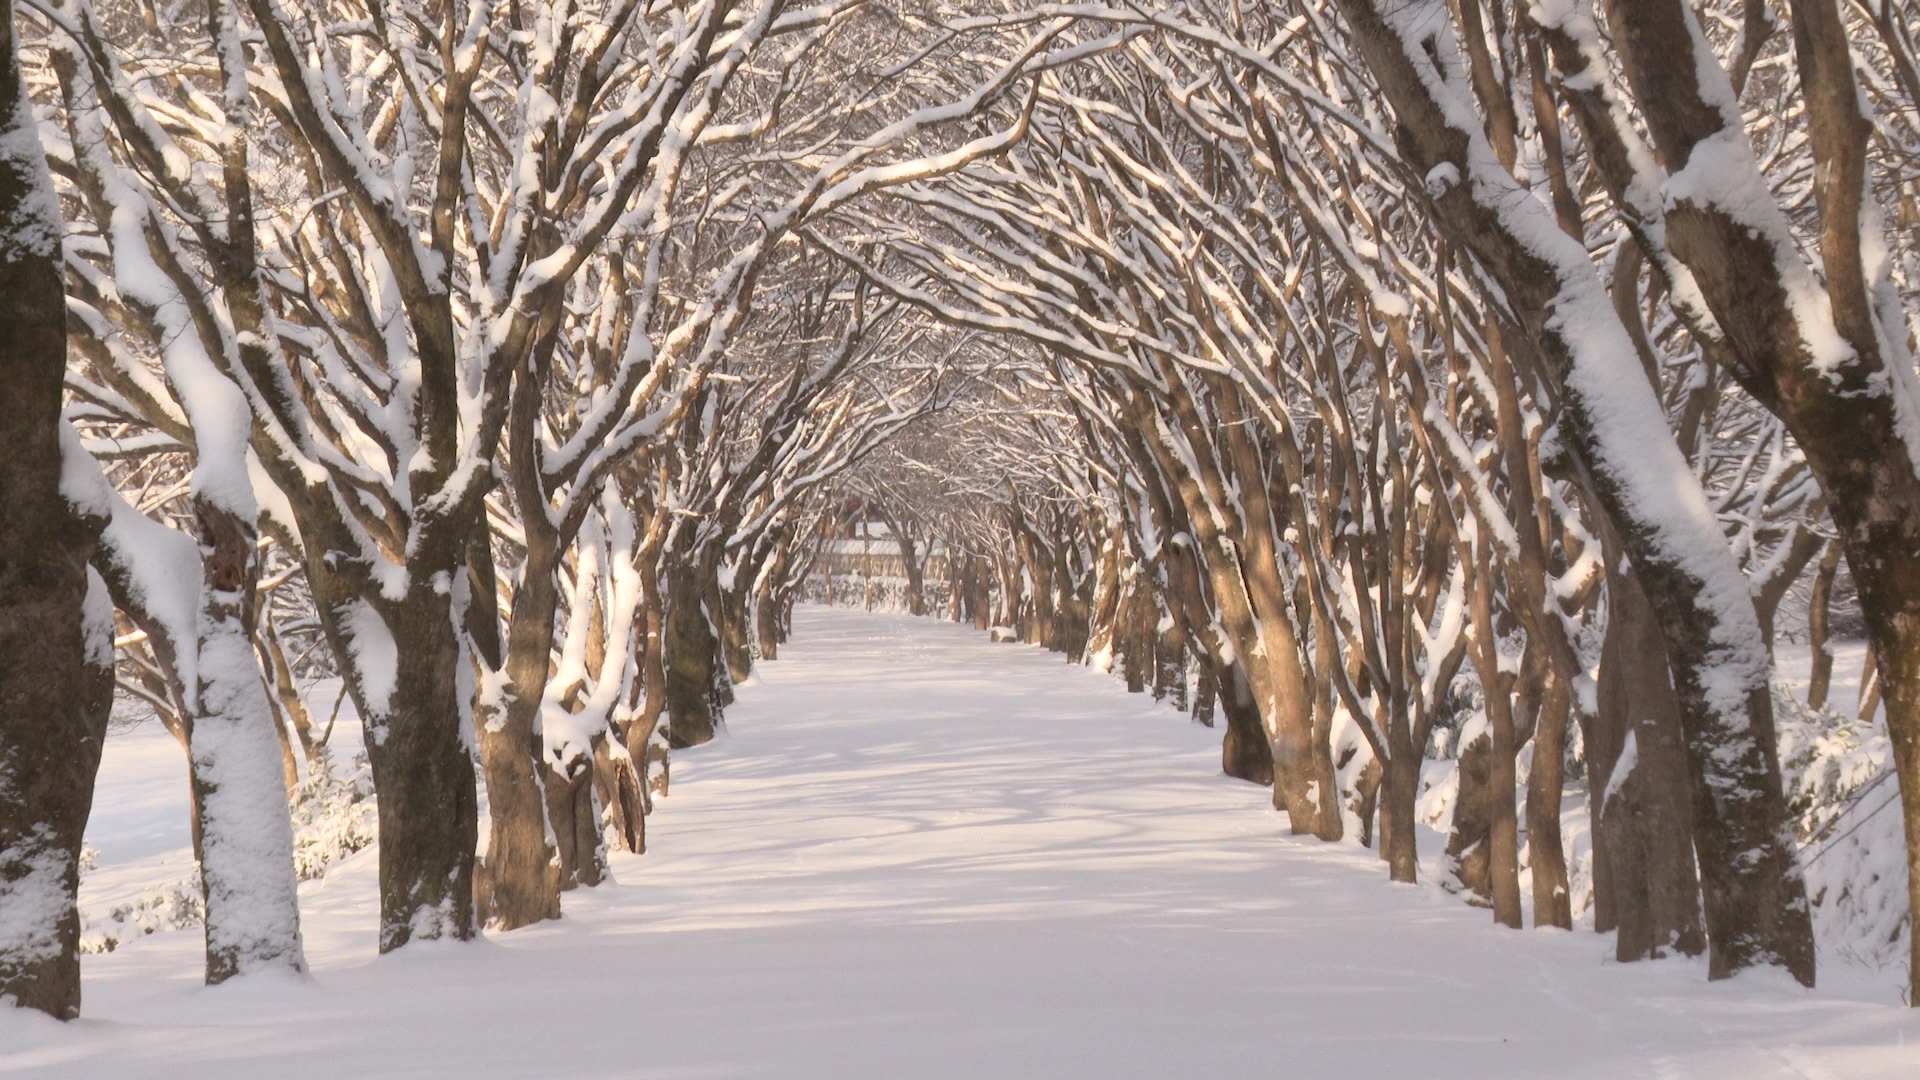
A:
[(1841, 794), (334, 814), (174, 907), (333, 817)]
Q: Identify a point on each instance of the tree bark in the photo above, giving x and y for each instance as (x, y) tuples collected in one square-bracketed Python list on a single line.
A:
[(1326, 780), (519, 883), (1469, 841), (1641, 810), (981, 591), (56, 654), (916, 572), (286, 690), (1819, 611), (689, 654), (730, 607), (1546, 853), (1104, 619), (576, 821), (423, 778), (1245, 753), (1503, 839), (616, 784), (1399, 788)]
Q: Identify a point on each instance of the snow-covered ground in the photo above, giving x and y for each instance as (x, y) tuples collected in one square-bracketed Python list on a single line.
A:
[(917, 854)]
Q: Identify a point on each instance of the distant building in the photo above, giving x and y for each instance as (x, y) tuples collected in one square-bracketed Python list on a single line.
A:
[(869, 550)]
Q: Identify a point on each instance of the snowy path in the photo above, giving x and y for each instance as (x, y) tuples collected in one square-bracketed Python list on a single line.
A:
[(917, 854)]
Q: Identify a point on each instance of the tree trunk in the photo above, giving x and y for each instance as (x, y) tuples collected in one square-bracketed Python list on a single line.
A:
[(1504, 835), (423, 779), (1900, 678), (1638, 789), (730, 605), (1820, 680), (1772, 582), (518, 881), (576, 821), (1170, 663), (956, 587), (1502, 826), (982, 593), (1546, 853), (766, 616), (246, 857), (1469, 841), (689, 655), (1280, 684), (56, 626), (767, 594), (282, 728), (916, 575), (765, 597), (1398, 790), (286, 690), (616, 784), (1869, 700), (866, 569), (1366, 801), (1326, 780), (653, 670), (1133, 640), (1245, 753), (518, 886)]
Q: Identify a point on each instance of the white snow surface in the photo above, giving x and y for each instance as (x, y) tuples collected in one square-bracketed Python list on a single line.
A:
[(921, 854)]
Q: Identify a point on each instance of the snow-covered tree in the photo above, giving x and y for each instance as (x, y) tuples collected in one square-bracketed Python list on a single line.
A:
[(56, 628)]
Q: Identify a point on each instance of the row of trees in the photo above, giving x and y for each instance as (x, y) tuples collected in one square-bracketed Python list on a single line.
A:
[(1347, 367), (447, 313), (1407, 353)]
